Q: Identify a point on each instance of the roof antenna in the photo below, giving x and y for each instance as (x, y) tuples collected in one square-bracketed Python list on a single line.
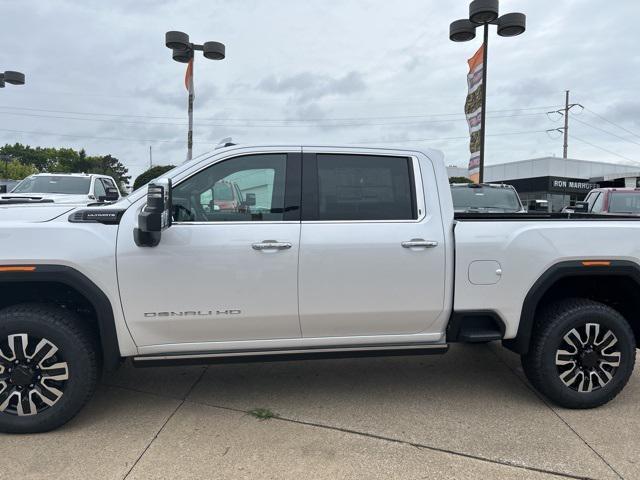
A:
[(225, 142)]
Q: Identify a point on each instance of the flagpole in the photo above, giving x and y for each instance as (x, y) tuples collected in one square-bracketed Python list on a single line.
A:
[(484, 101), (191, 95)]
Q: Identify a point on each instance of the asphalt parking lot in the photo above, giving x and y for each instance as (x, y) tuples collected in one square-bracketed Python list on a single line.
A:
[(467, 414)]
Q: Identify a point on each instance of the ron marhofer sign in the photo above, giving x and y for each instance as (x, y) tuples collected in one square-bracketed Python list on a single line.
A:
[(574, 185)]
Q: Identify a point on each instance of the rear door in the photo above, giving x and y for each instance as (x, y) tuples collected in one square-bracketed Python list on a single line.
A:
[(372, 253)]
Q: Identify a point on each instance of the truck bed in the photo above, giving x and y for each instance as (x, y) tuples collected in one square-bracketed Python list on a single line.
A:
[(523, 217)]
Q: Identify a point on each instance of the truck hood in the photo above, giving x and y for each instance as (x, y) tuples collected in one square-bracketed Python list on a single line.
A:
[(63, 198), (32, 213)]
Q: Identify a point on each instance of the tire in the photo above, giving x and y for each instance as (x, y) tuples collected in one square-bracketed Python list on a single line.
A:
[(46, 383), (573, 353)]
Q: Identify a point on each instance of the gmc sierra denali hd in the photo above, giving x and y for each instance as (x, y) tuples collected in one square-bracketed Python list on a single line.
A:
[(331, 252)]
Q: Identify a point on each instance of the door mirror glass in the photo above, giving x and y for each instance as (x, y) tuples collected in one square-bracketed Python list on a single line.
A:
[(156, 214), (3, 189), (111, 195)]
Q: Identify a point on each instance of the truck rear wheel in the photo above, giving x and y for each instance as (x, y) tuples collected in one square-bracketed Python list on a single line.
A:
[(582, 353), (48, 367)]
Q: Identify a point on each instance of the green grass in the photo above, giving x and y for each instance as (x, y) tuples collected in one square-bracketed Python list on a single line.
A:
[(262, 413)]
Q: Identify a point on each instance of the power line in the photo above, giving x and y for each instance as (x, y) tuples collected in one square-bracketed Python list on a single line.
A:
[(256, 125), (613, 123), (606, 131), (604, 149), (100, 138), (211, 143), (121, 115), (465, 137)]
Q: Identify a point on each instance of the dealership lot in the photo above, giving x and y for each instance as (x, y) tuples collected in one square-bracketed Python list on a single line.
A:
[(467, 414)]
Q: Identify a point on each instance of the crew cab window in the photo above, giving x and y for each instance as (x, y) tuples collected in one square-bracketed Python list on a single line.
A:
[(364, 187), (591, 199), (621, 202), (598, 204), (247, 188), (108, 183), (98, 188)]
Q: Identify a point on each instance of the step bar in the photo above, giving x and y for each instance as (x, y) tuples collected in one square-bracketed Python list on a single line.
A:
[(274, 355)]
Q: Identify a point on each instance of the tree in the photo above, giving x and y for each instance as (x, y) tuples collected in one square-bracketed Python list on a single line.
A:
[(67, 160), (41, 158), (460, 180), (14, 170), (153, 172), (108, 165)]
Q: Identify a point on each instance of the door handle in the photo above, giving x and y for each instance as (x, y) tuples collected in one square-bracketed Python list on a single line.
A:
[(418, 242), (270, 245)]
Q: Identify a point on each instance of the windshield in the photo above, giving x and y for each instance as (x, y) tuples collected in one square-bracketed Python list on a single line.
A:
[(54, 184), (624, 202), (485, 198)]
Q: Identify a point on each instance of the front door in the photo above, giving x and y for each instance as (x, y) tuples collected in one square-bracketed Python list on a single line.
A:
[(226, 269), (372, 252)]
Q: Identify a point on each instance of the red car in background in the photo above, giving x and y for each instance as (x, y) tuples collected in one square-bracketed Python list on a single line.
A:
[(614, 201)]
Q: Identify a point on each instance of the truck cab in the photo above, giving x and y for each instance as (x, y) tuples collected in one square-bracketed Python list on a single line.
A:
[(613, 201)]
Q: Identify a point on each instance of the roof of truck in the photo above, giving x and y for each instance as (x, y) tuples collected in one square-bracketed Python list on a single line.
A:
[(617, 189), (58, 174)]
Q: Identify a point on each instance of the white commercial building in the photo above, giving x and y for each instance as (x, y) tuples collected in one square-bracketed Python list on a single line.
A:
[(560, 181)]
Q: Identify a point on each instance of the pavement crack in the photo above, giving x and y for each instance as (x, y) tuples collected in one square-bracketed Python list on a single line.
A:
[(550, 407), (153, 439), (404, 442), (175, 410)]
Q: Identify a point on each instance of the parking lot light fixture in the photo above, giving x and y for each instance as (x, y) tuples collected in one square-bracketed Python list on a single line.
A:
[(11, 77), (183, 52), (483, 13)]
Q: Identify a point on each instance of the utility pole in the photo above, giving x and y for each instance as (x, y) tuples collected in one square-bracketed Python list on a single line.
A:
[(150, 157), (566, 125), (565, 130)]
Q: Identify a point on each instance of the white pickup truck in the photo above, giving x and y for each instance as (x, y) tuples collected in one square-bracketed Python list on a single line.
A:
[(64, 188), (330, 252)]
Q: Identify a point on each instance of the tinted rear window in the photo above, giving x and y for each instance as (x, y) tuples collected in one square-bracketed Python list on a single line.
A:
[(620, 202), (485, 198), (361, 187)]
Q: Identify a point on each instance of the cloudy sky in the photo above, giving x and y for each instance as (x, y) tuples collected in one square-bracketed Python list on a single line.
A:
[(358, 71)]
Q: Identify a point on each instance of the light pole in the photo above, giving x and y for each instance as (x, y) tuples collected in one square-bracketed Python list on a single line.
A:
[(484, 13), (14, 78), (183, 52)]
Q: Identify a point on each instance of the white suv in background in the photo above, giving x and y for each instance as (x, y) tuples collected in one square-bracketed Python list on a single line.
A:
[(67, 188)]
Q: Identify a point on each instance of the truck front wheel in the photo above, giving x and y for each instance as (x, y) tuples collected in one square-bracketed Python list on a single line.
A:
[(48, 367), (582, 353)]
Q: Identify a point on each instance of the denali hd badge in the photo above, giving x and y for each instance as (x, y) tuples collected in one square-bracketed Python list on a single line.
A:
[(193, 313)]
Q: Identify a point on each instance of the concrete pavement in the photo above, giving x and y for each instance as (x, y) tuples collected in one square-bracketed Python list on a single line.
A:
[(467, 414)]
